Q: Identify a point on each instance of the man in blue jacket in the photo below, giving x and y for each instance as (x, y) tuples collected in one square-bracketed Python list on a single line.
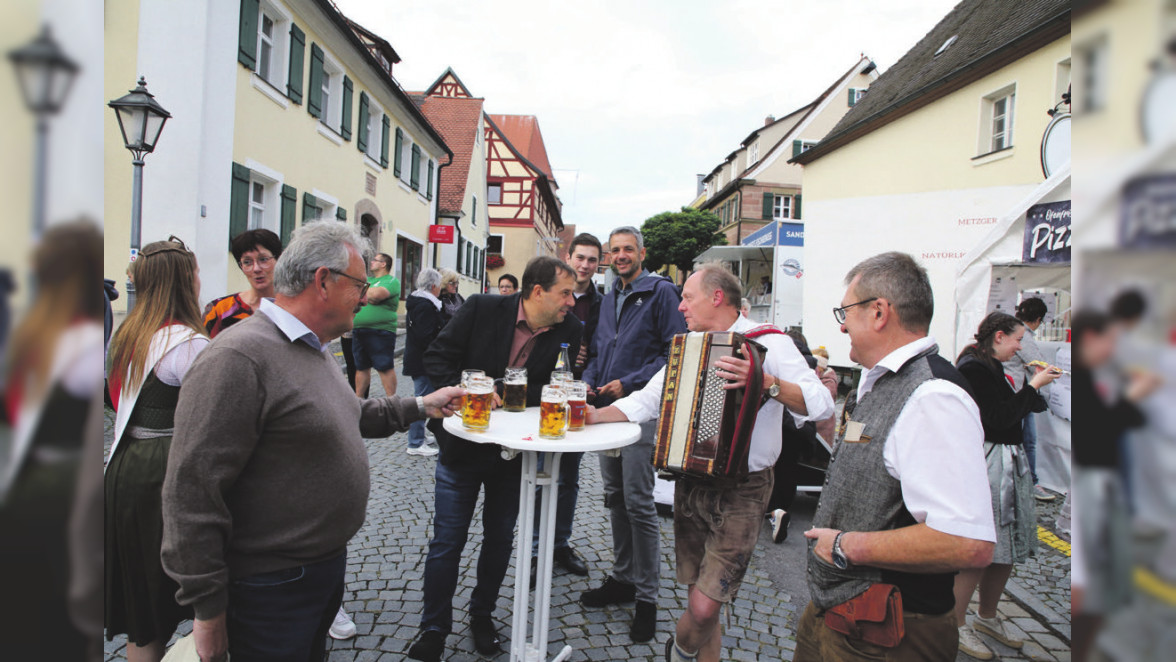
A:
[(638, 319)]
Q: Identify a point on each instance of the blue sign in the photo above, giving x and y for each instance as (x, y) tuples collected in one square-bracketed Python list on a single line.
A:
[(790, 234), (1147, 216), (1047, 233), (765, 236)]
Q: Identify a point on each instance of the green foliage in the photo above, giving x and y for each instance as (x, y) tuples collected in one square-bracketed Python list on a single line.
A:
[(677, 237)]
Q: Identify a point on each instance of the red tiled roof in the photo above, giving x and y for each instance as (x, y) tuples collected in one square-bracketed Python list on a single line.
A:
[(459, 121), (523, 132)]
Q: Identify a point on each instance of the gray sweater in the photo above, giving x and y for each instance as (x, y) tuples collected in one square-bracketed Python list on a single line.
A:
[(268, 468)]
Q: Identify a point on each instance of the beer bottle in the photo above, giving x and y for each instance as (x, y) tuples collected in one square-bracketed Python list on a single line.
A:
[(563, 363)]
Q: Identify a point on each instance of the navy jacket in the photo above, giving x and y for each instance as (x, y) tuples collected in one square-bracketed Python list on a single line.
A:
[(635, 348), (424, 322), (479, 337)]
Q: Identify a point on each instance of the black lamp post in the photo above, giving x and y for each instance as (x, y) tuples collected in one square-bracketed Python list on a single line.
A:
[(141, 120), (45, 74)]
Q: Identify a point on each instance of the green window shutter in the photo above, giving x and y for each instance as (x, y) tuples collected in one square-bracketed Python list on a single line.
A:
[(247, 34), (414, 175), (309, 208), (289, 204), (396, 158), (314, 96), (769, 205), (797, 148), (297, 51), (362, 141), (796, 206), (852, 97), (345, 125), (387, 124), (340, 214), (239, 201), (429, 184)]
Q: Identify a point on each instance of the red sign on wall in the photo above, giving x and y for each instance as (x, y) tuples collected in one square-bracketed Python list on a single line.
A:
[(441, 234)]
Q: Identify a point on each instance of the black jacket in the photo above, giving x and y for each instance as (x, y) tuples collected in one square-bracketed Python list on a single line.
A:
[(1001, 409), (590, 321), (423, 323), (479, 337)]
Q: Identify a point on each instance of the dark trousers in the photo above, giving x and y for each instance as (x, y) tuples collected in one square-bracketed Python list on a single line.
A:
[(283, 616), (565, 501)]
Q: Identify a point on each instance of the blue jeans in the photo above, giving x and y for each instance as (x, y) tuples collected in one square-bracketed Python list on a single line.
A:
[(416, 429), (456, 494), (565, 501), (283, 616), (1029, 437)]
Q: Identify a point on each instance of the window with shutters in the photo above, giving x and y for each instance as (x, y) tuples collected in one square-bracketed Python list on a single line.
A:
[(855, 95), (782, 207), (264, 201), (375, 128), (273, 44), (996, 120), (406, 150), (332, 91), (256, 205)]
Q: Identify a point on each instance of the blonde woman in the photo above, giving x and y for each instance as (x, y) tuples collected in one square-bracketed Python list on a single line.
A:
[(450, 299), (150, 354)]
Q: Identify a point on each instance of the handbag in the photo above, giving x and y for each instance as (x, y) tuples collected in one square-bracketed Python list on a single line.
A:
[(875, 616)]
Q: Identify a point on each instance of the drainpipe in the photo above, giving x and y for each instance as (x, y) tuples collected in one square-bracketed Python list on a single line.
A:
[(437, 203)]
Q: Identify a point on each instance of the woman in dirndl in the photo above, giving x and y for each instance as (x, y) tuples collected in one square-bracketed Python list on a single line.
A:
[(149, 354), (1001, 411)]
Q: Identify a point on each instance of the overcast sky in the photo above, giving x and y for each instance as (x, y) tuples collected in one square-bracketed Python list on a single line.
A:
[(634, 98)]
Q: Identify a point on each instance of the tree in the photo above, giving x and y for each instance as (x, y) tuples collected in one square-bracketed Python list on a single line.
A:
[(677, 237)]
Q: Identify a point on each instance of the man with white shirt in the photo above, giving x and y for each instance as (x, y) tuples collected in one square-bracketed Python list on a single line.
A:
[(267, 476), (906, 500), (716, 524)]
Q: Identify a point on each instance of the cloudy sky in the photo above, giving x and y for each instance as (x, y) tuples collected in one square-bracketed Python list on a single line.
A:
[(636, 97)]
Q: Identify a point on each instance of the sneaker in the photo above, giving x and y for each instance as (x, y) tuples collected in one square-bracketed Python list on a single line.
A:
[(644, 624), (423, 449), (428, 647), (486, 639), (970, 644), (995, 628), (611, 592), (343, 627), (780, 521), (1042, 494)]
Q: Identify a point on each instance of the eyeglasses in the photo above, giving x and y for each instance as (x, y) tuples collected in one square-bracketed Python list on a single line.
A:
[(363, 284), (839, 313), (264, 261)]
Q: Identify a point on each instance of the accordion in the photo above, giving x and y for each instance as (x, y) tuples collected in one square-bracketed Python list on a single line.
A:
[(704, 430)]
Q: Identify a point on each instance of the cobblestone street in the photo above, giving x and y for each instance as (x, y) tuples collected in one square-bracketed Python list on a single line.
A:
[(386, 567)]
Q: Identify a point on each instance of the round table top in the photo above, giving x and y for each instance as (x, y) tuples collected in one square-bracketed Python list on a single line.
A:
[(520, 431)]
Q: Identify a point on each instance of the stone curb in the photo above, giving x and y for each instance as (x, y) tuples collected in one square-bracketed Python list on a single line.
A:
[(1042, 613)]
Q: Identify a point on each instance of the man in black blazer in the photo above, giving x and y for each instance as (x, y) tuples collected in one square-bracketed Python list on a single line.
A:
[(489, 332)]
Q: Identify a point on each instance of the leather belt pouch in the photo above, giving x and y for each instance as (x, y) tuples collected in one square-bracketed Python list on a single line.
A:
[(874, 616)]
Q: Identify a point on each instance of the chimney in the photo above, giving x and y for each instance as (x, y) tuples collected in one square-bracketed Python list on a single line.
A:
[(769, 119), (700, 185)]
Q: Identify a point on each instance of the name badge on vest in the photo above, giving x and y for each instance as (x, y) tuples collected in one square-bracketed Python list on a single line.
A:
[(853, 433)]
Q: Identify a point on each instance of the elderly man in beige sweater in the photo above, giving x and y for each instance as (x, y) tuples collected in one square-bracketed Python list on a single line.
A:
[(267, 478)]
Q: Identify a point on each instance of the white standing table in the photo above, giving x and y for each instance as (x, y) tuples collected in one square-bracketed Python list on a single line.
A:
[(518, 432)]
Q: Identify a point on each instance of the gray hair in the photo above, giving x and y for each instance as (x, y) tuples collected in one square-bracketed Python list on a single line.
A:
[(744, 304), (629, 229), (314, 245), (902, 281), (717, 277), (428, 278)]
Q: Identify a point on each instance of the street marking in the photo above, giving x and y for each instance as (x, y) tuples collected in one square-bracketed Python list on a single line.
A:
[(1155, 586), (1046, 536), (338, 353)]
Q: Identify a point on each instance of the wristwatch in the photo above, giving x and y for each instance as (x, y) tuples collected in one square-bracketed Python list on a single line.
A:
[(774, 389), (839, 558)]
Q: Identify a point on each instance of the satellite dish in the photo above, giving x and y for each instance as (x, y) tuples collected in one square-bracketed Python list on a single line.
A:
[(1055, 144), (1156, 118)]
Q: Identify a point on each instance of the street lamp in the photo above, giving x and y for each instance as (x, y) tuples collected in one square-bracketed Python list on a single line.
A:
[(45, 74), (140, 119)]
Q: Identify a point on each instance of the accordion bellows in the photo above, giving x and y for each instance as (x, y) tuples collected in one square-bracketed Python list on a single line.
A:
[(705, 430)]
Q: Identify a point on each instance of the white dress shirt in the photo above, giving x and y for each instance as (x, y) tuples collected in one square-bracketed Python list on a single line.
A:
[(784, 362), (290, 325), (936, 450)]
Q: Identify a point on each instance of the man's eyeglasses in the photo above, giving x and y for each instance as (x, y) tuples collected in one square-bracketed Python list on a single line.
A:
[(839, 313), (264, 261), (363, 284)]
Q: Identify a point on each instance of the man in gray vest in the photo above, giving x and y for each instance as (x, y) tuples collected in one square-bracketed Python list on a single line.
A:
[(906, 500)]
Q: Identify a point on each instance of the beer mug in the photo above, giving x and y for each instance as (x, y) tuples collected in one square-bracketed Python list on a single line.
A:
[(577, 405), (479, 401), (553, 413), (465, 379), (514, 389), (560, 377)]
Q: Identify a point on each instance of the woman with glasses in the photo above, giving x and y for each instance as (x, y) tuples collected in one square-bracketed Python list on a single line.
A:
[(256, 253), (150, 354), (450, 299)]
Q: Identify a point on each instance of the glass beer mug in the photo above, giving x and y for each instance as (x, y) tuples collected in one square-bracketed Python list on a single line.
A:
[(514, 389), (577, 405), (465, 383), (479, 401), (553, 413)]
